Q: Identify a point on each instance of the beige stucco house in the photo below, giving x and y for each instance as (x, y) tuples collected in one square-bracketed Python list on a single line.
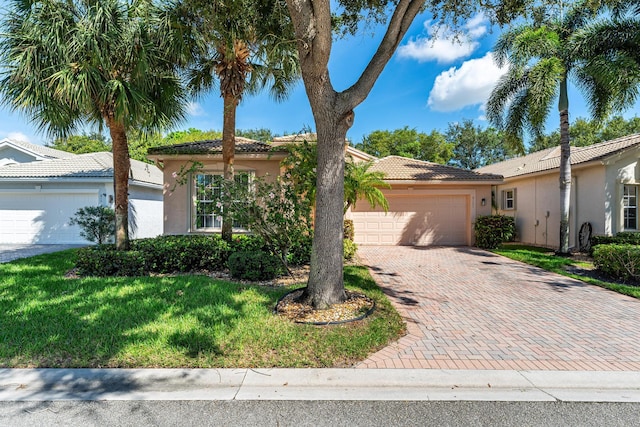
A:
[(605, 179), (430, 204)]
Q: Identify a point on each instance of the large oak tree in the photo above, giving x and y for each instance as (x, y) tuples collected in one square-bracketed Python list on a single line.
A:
[(333, 109)]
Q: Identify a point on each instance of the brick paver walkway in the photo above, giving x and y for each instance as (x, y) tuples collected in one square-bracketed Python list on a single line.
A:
[(470, 309)]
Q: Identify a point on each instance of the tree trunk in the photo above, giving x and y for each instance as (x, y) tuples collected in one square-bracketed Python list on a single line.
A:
[(333, 115), (228, 154), (565, 170), (121, 170), (326, 283)]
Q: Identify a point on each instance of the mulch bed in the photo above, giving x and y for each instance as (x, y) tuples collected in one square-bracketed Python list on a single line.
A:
[(356, 307)]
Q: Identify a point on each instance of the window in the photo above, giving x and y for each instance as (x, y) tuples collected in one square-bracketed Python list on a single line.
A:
[(630, 207), (207, 189), (509, 199)]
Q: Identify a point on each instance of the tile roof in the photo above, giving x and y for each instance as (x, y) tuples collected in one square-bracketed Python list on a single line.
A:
[(402, 168), (300, 137), (38, 150), (549, 158), (214, 146), (90, 165)]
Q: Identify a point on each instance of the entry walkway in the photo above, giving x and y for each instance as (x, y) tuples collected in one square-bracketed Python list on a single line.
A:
[(470, 309)]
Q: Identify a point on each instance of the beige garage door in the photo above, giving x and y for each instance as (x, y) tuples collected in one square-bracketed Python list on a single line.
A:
[(412, 220)]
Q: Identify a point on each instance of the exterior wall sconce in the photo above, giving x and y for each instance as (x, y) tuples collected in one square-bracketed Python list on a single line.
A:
[(483, 202)]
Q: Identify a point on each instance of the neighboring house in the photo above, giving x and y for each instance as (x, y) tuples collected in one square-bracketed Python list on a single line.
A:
[(604, 191), (429, 203), (42, 188)]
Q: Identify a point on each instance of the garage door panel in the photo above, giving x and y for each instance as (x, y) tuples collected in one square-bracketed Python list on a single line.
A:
[(42, 217), (425, 220)]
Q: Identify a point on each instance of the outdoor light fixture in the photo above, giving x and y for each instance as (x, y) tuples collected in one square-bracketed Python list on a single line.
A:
[(483, 202)]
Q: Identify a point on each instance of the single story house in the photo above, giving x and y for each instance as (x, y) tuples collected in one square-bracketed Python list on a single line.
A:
[(42, 188), (605, 178), (429, 204)]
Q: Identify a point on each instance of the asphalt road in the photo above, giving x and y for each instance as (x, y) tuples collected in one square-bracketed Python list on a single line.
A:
[(316, 413)]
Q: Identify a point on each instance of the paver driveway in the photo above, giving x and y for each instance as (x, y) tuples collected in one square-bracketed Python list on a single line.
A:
[(470, 309)]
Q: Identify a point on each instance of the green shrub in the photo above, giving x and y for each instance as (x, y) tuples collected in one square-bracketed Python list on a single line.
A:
[(349, 231), (97, 223), (622, 238), (105, 260), (167, 254), (248, 243), (493, 230), (254, 265), (300, 251), (619, 261), (350, 249)]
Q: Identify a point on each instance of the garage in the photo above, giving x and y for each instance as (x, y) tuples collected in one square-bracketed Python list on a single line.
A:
[(43, 218), (415, 220), (429, 204)]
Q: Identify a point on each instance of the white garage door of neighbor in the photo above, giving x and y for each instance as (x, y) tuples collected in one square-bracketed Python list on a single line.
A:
[(41, 217), (415, 220)]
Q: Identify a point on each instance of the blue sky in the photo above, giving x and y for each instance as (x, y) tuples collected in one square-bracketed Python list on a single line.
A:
[(428, 83)]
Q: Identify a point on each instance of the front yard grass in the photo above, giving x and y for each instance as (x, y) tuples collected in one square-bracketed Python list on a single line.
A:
[(577, 269), (48, 320)]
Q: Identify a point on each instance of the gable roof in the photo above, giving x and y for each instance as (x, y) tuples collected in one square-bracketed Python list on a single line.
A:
[(90, 165), (37, 151), (402, 168), (213, 146), (549, 158)]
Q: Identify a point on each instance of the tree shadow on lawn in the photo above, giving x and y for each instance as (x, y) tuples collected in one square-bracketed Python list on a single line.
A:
[(50, 321)]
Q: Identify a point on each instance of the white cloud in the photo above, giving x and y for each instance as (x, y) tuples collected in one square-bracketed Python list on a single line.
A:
[(18, 136), (441, 44), (471, 84), (195, 109)]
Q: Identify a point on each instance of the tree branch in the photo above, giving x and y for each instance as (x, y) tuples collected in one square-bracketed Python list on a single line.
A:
[(403, 16), (312, 26)]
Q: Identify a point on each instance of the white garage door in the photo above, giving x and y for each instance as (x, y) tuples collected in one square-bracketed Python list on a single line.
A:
[(41, 217), (414, 220)]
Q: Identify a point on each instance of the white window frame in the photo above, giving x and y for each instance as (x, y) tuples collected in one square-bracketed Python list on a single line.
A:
[(630, 203), (210, 222), (506, 199)]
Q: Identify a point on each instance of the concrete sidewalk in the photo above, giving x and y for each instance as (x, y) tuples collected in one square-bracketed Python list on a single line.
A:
[(317, 384)]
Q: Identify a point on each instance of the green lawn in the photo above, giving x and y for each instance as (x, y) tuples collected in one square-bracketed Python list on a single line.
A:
[(48, 320), (546, 259)]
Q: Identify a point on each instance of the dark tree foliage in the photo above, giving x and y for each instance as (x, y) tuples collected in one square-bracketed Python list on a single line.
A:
[(474, 147), (408, 142)]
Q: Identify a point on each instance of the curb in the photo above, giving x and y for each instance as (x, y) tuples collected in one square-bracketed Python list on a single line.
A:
[(318, 384)]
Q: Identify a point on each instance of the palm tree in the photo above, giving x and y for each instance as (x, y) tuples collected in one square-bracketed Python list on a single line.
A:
[(247, 47), (361, 183), (107, 62), (542, 58)]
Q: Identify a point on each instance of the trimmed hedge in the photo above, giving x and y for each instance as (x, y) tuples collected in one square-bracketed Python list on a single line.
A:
[(104, 260), (349, 229), (350, 249), (162, 254), (300, 251), (619, 261), (168, 254), (493, 230), (622, 238), (254, 265)]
